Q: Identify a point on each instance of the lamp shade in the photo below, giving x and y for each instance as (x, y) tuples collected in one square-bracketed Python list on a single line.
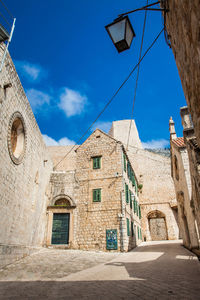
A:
[(121, 33)]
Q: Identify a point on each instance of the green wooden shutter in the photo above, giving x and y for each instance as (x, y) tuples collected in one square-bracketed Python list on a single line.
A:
[(127, 193), (138, 232), (124, 162), (97, 162), (128, 229), (130, 194), (140, 212), (132, 231), (135, 208), (97, 195)]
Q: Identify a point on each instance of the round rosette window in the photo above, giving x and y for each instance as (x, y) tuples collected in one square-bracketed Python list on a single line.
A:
[(17, 138)]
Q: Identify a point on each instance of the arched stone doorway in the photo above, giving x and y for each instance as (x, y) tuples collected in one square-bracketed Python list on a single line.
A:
[(157, 226), (60, 221)]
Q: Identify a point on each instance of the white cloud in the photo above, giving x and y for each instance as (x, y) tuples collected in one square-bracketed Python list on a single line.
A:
[(156, 144), (72, 102), (37, 98), (105, 126), (32, 72), (62, 142)]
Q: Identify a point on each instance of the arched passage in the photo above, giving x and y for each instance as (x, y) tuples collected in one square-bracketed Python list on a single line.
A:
[(157, 226)]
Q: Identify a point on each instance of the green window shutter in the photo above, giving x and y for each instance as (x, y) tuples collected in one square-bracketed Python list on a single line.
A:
[(130, 196), (138, 232), (97, 195), (97, 162), (128, 229), (140, 212), (124, 162), (127, 193), (135, 207), (132, 231)]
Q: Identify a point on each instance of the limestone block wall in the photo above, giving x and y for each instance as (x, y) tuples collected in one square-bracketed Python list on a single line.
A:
[(95, 217), (58, 152), (182, 184), (23, 186), (157, 193), (183, 25)]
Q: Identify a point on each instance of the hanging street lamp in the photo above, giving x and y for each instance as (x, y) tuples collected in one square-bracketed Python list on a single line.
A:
[(121, 31)]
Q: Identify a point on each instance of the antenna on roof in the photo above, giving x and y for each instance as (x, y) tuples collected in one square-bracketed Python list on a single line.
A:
[(5, 37)]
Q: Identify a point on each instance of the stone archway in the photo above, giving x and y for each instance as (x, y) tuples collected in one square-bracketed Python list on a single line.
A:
[(157, 226)]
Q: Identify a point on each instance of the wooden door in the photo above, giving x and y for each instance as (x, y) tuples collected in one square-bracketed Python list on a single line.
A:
[(60, 230), (158, 229)]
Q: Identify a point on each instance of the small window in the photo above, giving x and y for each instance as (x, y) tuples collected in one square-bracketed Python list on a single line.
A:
[(140, 212), (132, 230), (128, 229), (127, 193), (97, 195), (124, 162), (138, 232), (97, 162), (130, 194)]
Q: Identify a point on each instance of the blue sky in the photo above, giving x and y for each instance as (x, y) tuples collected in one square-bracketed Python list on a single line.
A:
[(70, 69)]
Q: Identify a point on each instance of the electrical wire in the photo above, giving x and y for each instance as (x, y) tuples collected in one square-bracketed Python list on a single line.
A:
[(8, 11), (111, 99), (138, 71), (2, 16)]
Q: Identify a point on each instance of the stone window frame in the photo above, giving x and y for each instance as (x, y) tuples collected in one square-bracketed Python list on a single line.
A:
[(16, 160)]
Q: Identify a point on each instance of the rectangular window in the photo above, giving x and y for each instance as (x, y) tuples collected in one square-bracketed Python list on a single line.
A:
[(138, 230), (124, 162), (137, 209), (130, 196), (97, 195), (127, 193), (128, 229), (97, 162), (135, 206), (132, 231), (140, 212), (140, 233)]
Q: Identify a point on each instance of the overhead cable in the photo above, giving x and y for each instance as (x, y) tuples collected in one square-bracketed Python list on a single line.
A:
[(8, 11), (111, 99), (138, 71)]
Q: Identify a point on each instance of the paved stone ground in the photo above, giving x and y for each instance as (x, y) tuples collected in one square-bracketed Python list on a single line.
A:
[(156, 270)]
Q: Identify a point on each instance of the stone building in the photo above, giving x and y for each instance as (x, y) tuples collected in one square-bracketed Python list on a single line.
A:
[(24, 173), (98, 192), (183, 27), (157, 195), (181, 164)]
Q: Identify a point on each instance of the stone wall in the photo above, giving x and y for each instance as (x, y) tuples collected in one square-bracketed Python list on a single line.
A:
[(182, 183), (183, 26), (24, 175), (154, 175)]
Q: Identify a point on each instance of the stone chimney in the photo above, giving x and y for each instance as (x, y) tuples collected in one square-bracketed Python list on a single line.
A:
[(186, 118), (172, 129)]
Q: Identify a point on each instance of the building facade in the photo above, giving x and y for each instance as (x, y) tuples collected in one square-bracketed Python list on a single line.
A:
[(100, 192), (182, 22), (184, 186), (157, 195)]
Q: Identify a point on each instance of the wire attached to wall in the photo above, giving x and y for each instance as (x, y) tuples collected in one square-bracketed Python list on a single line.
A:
[(138, 71), (111, 99)]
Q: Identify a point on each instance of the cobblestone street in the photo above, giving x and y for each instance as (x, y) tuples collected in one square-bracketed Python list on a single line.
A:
[(155, 270)]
